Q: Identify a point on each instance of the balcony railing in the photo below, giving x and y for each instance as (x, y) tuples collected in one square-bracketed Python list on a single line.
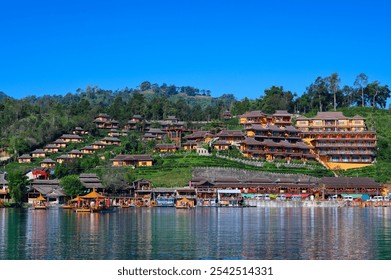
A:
[(338, 152)]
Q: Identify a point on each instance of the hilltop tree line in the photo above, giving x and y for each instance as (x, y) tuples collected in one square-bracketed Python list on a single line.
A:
[(32, 122), (325, 93)]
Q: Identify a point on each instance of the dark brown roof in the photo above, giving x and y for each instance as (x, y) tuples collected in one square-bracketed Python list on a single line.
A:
[(25, 156), (132, 157), (330, 115), (251, 141), (38, 151), (271, 143), (199, 134), (166, 146), (282, 113), (291, 128), (70, 136), (88, 148), (349, 182), (112, 139), (273, 127), (75, 152), (226, 133), (60, 141), (257, 127), (51, 146), (48, 160), (253, 114), (190, 143), (221, 142)]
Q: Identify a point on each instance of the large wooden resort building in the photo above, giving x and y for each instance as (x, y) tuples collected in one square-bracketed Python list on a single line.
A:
[(340, 142), (273, 137)]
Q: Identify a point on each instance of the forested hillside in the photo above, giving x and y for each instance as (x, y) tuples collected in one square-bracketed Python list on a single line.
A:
[(32, 122)]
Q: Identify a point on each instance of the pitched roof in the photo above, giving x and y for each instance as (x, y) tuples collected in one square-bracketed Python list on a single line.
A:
[(113, 139), (166, 146), (132, 157), (253, 114), (48, 160), (282, 113), (349, 182), (70, 136), (227, 133), (251, 141), (75, 152), (38, 151), (51, 146), (330, 115), (25, 156)]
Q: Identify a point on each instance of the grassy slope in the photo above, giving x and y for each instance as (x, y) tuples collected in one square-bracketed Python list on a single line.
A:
[(176, 170)]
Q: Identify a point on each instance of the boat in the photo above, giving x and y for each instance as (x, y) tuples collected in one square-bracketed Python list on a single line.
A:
[(83, 210), (184, 203), (94, 202), (165, 201), (40, 203), (73, 203)]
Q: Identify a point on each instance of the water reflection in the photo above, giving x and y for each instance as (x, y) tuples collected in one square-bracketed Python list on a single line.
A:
[(202, 233)]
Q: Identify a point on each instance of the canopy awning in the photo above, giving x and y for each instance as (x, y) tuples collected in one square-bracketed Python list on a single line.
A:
[(93, 195)]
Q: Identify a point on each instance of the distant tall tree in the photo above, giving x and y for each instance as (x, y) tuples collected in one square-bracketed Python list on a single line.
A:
[(361, 82), (276, 98), (333, 83), (318, 93), (377, 94), (348, 96), (145, 86)]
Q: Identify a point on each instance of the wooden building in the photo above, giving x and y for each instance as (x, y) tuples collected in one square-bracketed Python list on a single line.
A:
[(132, 160), (231, 136), (92, 182), (279, 118), (71, 138), (60, 143), (201, 136), (49, 189), (166, 148), (340, 142), (48, 163), (88, 150), (75, 154), (51, 148), (331, 186), (111, 141), (190, 145), (38, 153), (79, 131), (25, 158), (64, 159)]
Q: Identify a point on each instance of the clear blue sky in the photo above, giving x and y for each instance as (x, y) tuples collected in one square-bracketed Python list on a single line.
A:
[(240, 47)]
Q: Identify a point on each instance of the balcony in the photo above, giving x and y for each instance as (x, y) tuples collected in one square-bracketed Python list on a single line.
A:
[(339, 152)]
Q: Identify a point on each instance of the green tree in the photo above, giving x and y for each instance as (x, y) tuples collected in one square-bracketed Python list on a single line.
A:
[(333, 83), (72, 185), (145, 86), (361, 82), (17, 184)]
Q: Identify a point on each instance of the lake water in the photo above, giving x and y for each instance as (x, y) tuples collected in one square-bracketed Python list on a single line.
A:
[(202, 233)]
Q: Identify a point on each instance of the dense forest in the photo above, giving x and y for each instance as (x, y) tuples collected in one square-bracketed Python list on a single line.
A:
[(33, 121)]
